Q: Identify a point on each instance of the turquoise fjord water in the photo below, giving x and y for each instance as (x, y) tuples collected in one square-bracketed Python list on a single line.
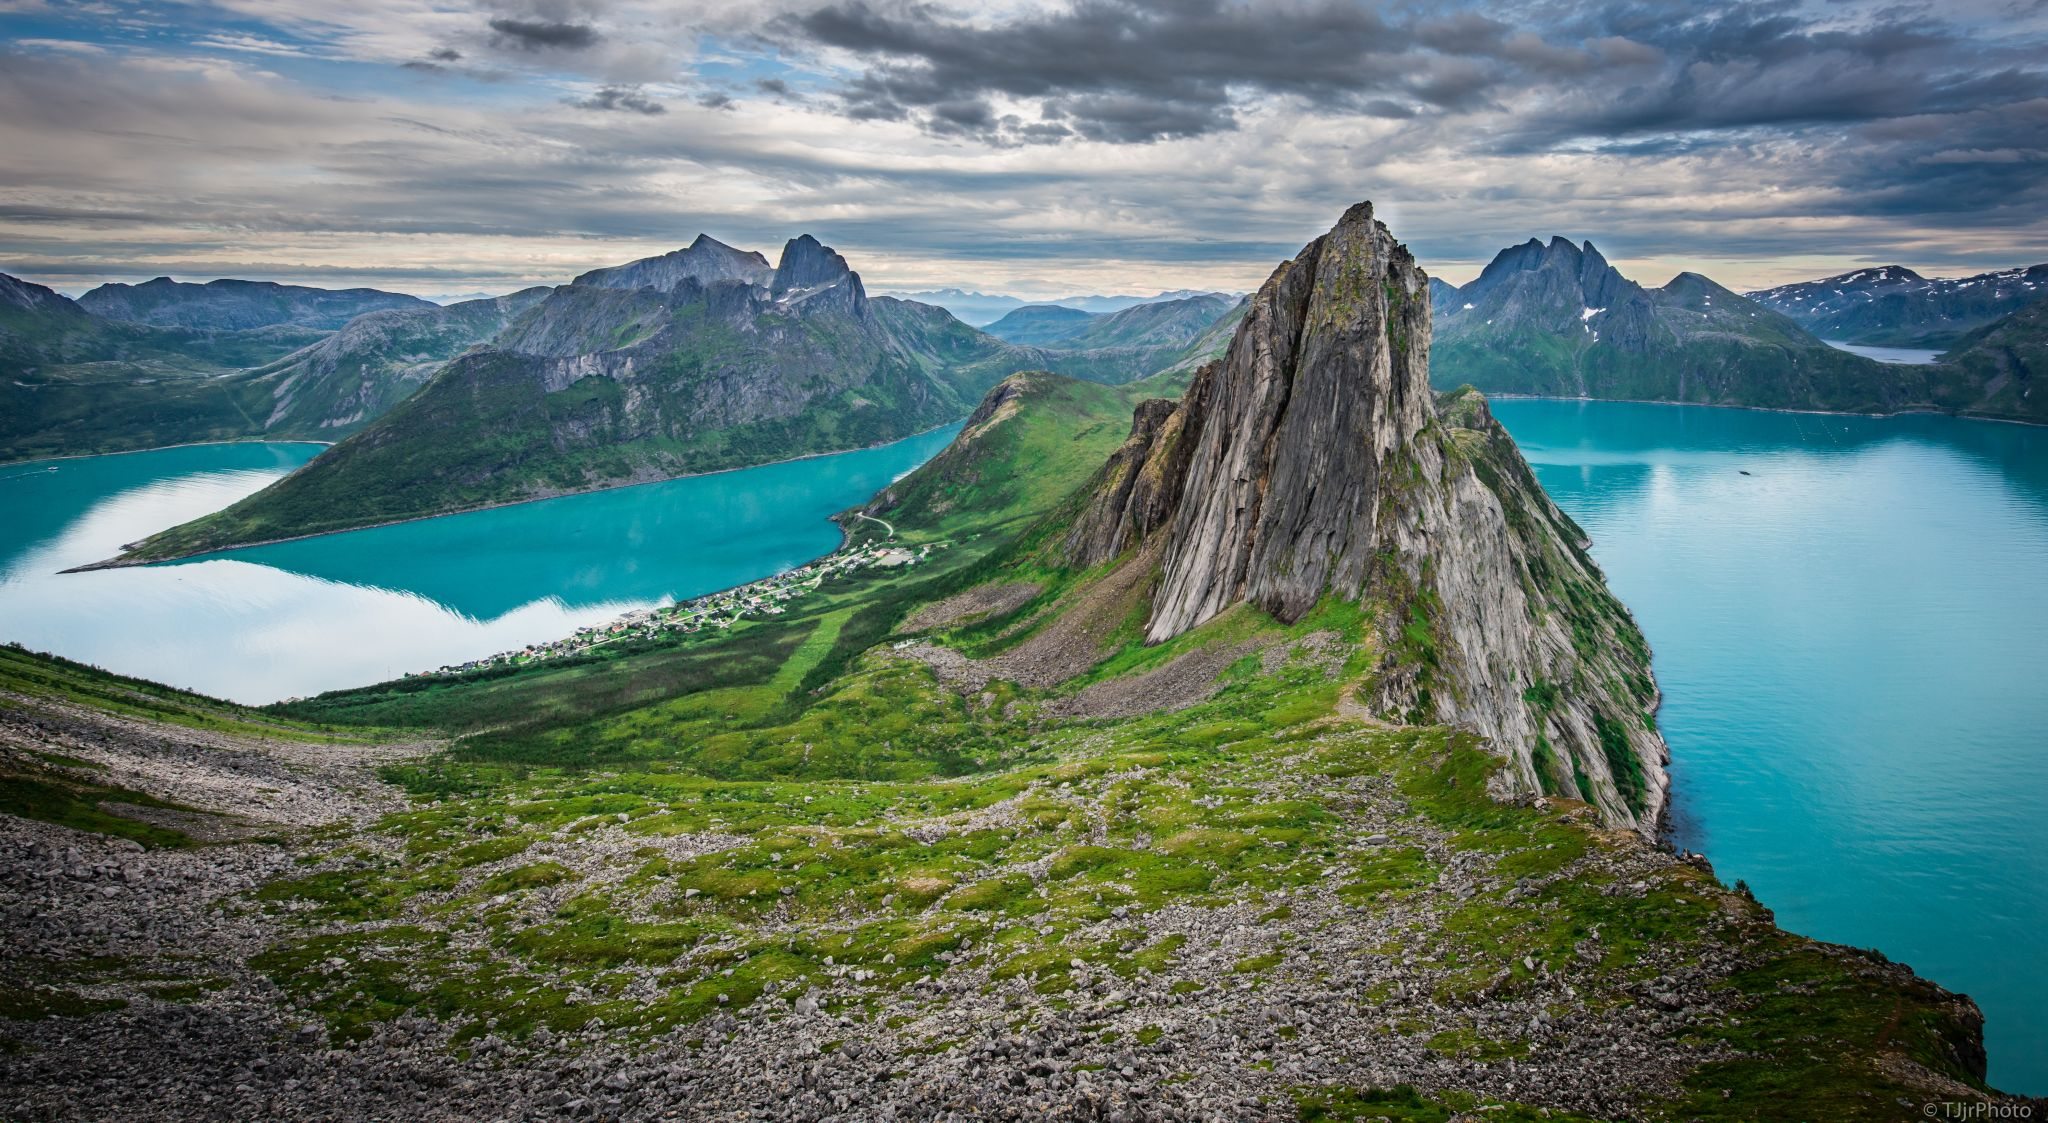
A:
[(1850, 639), (341, 610)]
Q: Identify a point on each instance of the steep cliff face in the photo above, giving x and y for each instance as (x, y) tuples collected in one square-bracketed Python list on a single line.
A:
[(357, 374), (1313, 461)]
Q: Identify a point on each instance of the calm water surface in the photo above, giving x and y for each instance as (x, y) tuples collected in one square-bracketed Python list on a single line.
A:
[(1910, 356), (348, 609), (1850, 638)]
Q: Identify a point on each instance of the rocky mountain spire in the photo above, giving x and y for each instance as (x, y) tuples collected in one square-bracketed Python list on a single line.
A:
[(1312, 461), (815, 274), (1326, 381)]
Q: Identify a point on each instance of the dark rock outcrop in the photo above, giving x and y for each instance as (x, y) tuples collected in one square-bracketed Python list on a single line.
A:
[(1312, 461), (1139, 488)]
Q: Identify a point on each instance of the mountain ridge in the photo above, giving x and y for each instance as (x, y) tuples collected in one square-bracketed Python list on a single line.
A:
[(230, 304), (595, 386), (1893, 306), (1558, 320)]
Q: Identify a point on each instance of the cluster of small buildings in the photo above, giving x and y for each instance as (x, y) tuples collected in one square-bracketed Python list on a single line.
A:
[(769, 596)]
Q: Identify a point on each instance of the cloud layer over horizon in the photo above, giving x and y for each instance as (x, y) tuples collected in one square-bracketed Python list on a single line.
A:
[(1091, 145)]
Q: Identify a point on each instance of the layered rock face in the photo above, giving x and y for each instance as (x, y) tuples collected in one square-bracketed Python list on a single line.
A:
[(370, 365), (1313, 461)]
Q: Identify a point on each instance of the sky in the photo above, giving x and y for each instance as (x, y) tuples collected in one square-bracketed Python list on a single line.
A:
[(1108, 146)]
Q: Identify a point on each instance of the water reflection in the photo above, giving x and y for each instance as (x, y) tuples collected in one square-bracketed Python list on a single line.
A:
[(343, 610)]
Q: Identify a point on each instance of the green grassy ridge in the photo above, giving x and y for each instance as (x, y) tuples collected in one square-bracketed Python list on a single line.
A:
[(37, 675), (978, 495), (1049, 435), (838, 857)]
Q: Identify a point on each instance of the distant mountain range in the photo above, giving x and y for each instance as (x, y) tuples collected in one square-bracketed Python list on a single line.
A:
[(77, 382), (1177, 322), (693, 361), (1557, 320), (1895, 307), (230, 305), (981, 309), (708, 357)]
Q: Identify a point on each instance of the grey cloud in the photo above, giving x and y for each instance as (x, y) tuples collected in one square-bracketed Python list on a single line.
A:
[(178, 169), (715, 100), (624, 98), (1135, 71), (775, 86), (1157, 69), (444, 54), (542, 35)]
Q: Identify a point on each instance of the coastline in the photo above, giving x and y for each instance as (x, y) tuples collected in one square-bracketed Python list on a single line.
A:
[(166, 448), (124, 562), (1506, 395)]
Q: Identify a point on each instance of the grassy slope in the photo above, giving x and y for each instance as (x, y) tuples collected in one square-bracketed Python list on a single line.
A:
[(830, 767), (973, 495), (32, 788), (1990, 372)]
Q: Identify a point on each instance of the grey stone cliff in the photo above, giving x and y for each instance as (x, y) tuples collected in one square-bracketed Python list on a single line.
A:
[(1314, 461)]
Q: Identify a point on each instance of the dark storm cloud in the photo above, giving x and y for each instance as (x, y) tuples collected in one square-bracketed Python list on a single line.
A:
[(624, 98), (1145, 70), (542, 35), (1759, 69), (1124, 70)]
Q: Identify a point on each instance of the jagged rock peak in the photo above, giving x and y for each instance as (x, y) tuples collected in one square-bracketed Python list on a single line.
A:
[(1312, 461), (806, 264), (1325, 382), (816, 276), (705, 260)]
